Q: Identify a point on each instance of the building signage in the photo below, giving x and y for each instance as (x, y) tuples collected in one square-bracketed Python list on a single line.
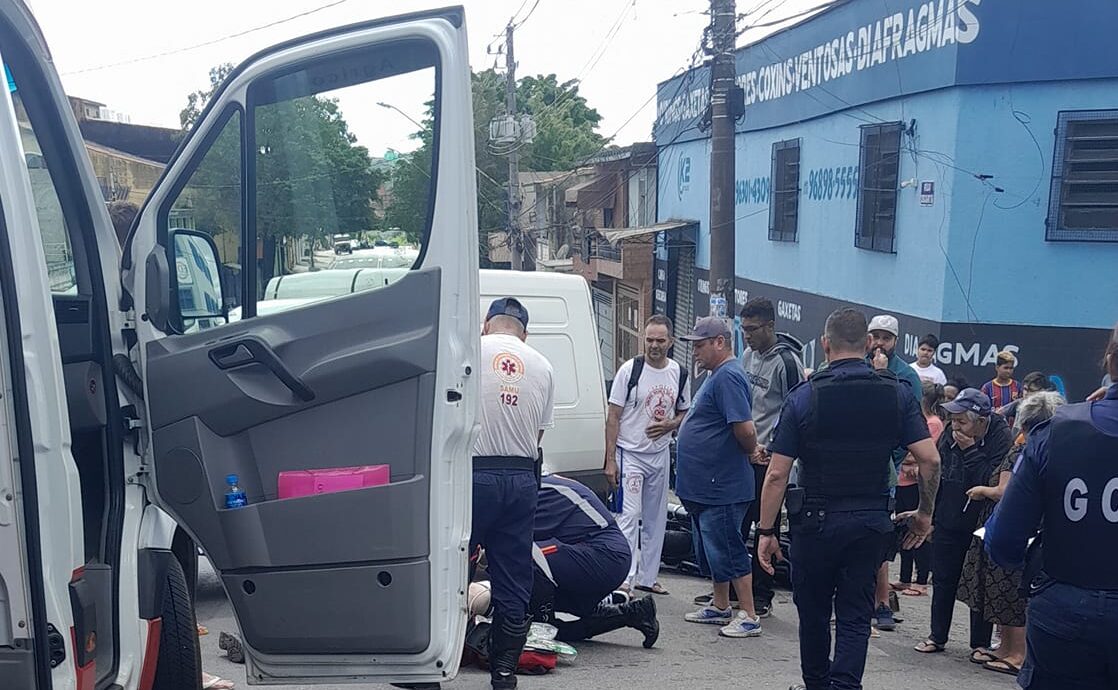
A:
[(683, 176), (966, 349), (928, 27), (927, 193), (890, 38)]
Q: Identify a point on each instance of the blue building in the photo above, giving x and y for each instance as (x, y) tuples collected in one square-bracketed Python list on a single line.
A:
[(952, 162)]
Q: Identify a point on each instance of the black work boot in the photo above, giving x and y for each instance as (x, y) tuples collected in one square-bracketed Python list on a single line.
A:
[(641, 614), (506, 642)]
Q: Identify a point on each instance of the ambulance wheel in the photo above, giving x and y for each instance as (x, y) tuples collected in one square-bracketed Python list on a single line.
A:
[(179, 666)]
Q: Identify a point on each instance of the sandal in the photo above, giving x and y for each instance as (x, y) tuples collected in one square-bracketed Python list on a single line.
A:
[(983, 656), (654, 589), (214, 683), (1001, 666), (202, 630), (914, 591), (899, 586), (929, 647)]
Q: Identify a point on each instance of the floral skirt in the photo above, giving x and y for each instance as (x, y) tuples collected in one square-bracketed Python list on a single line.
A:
[(990, 589)]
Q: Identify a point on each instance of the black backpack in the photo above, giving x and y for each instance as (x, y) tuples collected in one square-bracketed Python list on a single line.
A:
[(635, 376)]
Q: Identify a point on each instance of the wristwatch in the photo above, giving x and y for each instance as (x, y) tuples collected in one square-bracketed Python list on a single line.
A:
[(769, 532)]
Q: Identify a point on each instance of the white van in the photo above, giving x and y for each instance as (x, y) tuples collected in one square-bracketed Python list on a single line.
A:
[(561, 326), (127, 395)]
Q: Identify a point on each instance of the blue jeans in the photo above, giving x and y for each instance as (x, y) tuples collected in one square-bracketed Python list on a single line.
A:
[(1072, 636), (719, 546), (504, 514), (837, 565)]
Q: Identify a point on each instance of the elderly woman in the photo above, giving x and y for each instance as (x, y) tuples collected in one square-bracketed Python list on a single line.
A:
[(989, 590), (973, 443)]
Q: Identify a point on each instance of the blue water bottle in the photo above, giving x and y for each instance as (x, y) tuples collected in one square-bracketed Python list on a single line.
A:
[(235, 496)]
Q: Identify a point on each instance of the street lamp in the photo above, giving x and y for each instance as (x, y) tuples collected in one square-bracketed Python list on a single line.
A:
[(389, 106)]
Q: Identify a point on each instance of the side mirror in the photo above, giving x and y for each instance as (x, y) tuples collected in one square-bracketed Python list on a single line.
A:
[(196, 294)]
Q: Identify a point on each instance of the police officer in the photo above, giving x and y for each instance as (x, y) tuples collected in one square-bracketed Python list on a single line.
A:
[(1068, 479), (842, 424), (517, 404), (581, 556)]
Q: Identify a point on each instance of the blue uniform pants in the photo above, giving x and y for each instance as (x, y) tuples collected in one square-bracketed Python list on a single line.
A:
[(837, 566), (503, 519), (1072, 636), (586, 572)]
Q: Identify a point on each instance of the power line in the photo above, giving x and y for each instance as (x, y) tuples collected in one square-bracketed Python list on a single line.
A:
[(211, 42), (518, 24), (687, 73), (588, 66)]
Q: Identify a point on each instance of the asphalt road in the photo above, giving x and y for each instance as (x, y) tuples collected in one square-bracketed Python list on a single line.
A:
[(688, 655)]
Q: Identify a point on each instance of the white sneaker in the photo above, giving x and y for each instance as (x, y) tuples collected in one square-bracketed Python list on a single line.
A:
[(711, 616), (742, 626)]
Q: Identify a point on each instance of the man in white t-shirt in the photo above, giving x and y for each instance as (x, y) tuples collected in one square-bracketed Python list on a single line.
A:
[(517, 403), (925, 365), (644, 411)]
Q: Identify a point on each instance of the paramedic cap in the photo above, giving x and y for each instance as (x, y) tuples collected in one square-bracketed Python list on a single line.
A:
[(508, 306), (969, 400), (884, 322), (708, 327)]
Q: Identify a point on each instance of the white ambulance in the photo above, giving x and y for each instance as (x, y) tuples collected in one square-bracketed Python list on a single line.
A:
[(127, 396)]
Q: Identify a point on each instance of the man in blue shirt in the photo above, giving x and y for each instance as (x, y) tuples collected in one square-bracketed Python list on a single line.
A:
[(842, 424), (714, 478), (1067, 479)]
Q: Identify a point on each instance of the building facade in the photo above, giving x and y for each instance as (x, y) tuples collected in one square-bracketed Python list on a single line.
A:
[(613, 211), (952, 162)]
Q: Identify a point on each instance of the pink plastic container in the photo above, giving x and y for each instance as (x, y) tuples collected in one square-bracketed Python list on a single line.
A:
[(295, 483)]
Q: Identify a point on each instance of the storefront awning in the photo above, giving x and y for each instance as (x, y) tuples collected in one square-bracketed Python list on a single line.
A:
[(620, 234)]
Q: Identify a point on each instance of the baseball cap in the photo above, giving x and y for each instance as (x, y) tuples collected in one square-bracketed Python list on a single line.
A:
[(508, 306), (969, 400), (884, 322), (708, 327)]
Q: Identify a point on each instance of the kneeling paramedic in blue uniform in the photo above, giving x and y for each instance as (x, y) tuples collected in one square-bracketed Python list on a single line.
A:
[(517, 404), (581, 556), (842, 424), (1067, 479)]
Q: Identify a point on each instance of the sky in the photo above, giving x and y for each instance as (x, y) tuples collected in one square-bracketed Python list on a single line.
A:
[(619, 49)]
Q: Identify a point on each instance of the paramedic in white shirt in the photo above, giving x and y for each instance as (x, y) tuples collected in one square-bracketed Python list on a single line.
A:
[(643, 414), (517, 404)]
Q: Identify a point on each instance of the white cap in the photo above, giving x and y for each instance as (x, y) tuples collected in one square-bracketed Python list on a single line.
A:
[(884, 322)]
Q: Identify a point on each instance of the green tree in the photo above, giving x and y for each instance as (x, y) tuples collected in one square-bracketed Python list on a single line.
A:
[(197, 101), (565, 136), (312, 178)]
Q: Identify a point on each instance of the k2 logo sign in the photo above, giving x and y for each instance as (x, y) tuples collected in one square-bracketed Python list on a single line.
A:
[(683, 177)]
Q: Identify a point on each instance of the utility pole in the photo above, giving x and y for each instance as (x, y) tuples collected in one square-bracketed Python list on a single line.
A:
[(516, 238), (508, 132), (723, 71)]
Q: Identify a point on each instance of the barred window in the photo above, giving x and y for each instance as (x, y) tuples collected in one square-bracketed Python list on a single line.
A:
[(784, 211), (879, 170), (1083, 204)]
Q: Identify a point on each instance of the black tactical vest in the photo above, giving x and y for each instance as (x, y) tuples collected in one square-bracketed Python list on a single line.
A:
[(1081, 501), (853, 426)]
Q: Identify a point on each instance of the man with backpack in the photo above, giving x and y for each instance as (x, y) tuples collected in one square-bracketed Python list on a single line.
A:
[(646, 405)]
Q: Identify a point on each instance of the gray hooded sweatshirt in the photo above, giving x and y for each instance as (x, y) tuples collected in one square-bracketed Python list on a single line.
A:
[(771, 376)]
